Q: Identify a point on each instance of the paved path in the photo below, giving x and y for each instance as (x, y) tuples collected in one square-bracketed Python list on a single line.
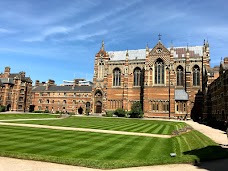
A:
[(37, 119), (9, 164), (87, 130)]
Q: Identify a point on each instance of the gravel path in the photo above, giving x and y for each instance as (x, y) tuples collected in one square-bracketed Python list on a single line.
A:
[(10, 164)]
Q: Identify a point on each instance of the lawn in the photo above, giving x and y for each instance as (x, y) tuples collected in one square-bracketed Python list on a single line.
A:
[(25, 116), (117, 124), (104, 151)]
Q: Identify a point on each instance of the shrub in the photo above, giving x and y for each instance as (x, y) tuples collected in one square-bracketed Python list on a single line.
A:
[(109, 113), (46, 111), (38, 111), (2, 108), (136, 110), (120, 112)]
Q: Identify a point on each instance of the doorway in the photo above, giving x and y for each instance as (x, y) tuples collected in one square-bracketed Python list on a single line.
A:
[(98, 107), (80, 110)]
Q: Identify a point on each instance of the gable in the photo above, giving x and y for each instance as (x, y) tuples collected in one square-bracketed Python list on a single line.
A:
[(159, 50)]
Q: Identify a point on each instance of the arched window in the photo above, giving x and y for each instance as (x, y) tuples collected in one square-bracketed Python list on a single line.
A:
[(101, 69), (159, 72), (137, 77), (116, 77), (196, 75), (180, 76)]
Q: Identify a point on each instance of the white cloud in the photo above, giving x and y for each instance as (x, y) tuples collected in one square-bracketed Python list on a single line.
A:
[(2, 30)]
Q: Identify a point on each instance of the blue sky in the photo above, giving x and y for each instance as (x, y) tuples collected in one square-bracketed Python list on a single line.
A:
[(57, 39)]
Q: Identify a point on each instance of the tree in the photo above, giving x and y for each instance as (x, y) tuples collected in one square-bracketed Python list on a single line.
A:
[(136, 110)]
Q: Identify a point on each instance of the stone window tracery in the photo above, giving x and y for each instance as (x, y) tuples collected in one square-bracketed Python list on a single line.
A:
[(159, 71), (137, 77), (196, 75), (116, 77)]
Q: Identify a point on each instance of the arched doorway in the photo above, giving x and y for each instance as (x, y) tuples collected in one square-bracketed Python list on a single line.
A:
[(98, 96), (80, 110), (8, 108), (98, 107)]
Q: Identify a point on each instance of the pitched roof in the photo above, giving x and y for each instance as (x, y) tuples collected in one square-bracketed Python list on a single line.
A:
[(55, 88), (133, 54), (181, 95), (179, 52), (7, 80)]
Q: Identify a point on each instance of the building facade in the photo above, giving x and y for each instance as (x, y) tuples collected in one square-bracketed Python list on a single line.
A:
[(216, 101), (15, 91), (69, 98), (167, 81)]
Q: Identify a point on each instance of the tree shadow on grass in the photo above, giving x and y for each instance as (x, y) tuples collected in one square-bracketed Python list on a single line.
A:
[(212, 158)]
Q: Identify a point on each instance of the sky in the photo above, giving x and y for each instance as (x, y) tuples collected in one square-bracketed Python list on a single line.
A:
[(57, 39)]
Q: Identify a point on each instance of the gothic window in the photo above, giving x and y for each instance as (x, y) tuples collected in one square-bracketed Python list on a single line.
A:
[(159, 71), (196, 75), (137, 77), (100, 69), (180, 76), (116, 77)]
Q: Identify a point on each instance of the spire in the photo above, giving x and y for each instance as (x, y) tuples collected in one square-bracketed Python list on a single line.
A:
[(207, 43), (147, 47), (127, 55), (159, 37), (187, 48), (102, 45), (171, 44)]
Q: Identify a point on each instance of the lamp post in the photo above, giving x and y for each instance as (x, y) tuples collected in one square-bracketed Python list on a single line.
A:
[(168, 68)]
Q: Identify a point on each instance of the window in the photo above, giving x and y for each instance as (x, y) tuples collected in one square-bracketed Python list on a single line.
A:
[(180, 76), (184, 107), (64, 101), (65, 94), (53, 101), (40, 100), (196, 75), (116, 77), (22, 91), (101, 69), (47, 101), (137, 77), (159, 72)]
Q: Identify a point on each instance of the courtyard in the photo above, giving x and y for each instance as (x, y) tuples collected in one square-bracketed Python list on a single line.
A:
[(55, 140)]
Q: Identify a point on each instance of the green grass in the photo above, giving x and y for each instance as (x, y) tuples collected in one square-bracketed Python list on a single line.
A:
[(25, 116), (117, 124), (104, 151)]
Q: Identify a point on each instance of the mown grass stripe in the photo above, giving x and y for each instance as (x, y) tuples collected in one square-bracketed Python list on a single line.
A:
[(157, 129), (166, 130)]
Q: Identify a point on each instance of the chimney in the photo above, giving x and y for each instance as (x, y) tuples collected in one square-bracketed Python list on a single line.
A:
[(37, 83), (7, 71), (50, 83), (22, 73)]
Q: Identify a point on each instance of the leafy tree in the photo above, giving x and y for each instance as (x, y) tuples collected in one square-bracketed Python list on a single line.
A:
[(136, 110)]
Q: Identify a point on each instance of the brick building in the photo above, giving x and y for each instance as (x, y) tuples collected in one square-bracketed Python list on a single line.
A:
[(216, 102), (15, 91), (167, 81), (71, 98)]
